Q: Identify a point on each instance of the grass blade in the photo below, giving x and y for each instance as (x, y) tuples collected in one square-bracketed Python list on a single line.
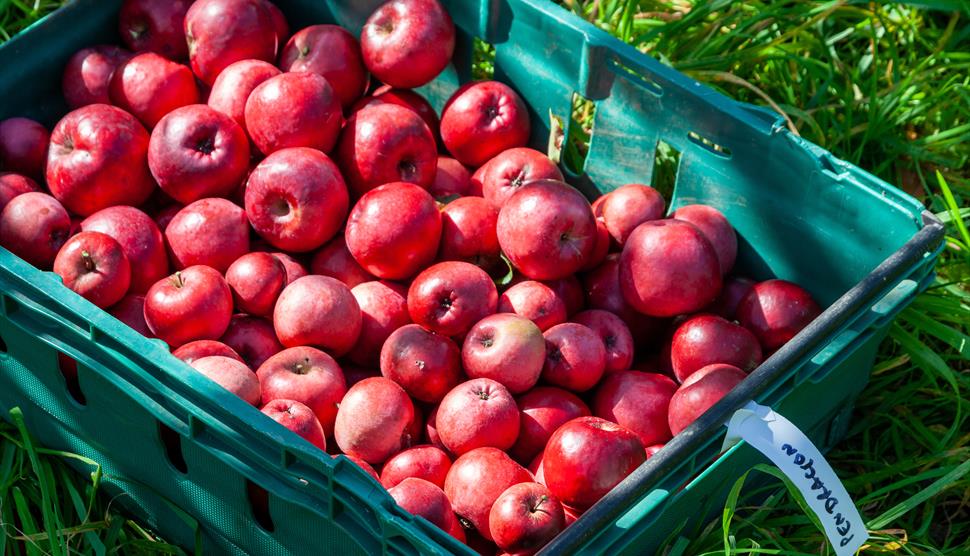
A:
[(897, 511)]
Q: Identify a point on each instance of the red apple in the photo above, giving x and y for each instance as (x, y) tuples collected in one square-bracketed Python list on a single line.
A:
[(597, 205), (707, 339), (407, 43), (652, 450), (451, 178), (468, 232), (425, 364), (575, 357), (256, 280), (477, 479), (12, 185), (700, 392), (140, 239), (164, 216), (155, 26), (294, 268), (450, 297), (332, 52), (131, 311), (98, 158), (506, 348), (373, 419), (192, 304), (197, 152), (477, 413), (34, 226), (23, 146), (210, 23), (335, 260), (88, 74), (543, 410), (572, 514), (306, 375), (94, 266), (354, 374), (668, 268), (431, 429), (524, 518), (716, 228), (150, 86), (570, 290), (511, 169), (231, 375), (422, 462), (588, 456), (776, 310), (627, 207), (547, 230), (252, 338), (601, 247), (415, 428), (212, 232), (318, 311), (293, 110), (204, 348), (603, 291), (407, 98), (393, 231), (386, 143), (637, 401), (298, 418), (483, 119), (296, 199), (383, 309), (534, 301), (734, 290), (280, 26), (426, 499), (615, 334), (234, 85), (475, 188)]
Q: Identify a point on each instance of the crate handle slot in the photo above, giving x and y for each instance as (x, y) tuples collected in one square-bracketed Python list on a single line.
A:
[(708, 145), (637, 77)]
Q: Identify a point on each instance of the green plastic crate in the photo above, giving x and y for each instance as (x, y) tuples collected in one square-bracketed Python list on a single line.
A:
[(182, 450)]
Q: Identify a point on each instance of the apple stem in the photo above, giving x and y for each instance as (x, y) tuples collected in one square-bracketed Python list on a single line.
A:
[(178, 281), (88, 261), (542, 499)]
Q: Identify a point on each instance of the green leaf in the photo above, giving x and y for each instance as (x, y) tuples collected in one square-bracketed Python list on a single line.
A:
[(899, 510)]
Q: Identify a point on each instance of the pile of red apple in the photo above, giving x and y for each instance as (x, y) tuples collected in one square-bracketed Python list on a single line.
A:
[(329, 250)]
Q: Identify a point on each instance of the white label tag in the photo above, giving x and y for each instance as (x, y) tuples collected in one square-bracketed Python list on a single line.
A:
[(795, 455)]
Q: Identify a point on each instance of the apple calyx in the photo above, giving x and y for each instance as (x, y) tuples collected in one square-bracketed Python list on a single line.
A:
[(206, 146)]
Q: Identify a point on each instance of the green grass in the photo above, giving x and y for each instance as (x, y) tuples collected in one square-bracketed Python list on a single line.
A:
[(41, 500), (886, 86), (15, 15)]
